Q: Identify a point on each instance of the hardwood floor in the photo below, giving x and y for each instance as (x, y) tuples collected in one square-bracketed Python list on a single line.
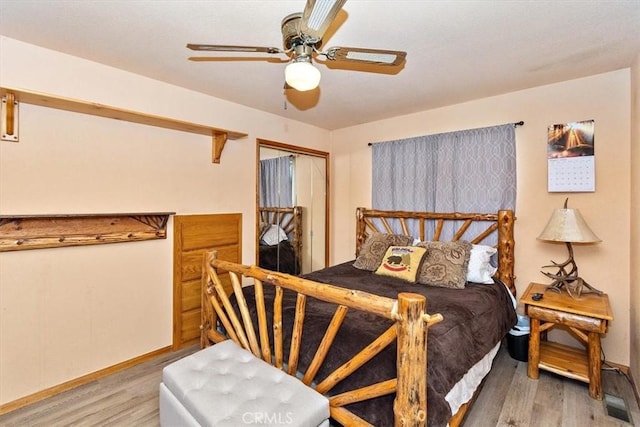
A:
[(508, 398), (127, 398)]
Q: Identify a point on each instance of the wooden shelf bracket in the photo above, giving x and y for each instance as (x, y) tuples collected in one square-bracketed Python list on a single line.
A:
[(9, 118), (219, 140)]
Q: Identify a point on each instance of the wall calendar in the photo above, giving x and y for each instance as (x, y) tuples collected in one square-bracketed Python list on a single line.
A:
[(571, 157)]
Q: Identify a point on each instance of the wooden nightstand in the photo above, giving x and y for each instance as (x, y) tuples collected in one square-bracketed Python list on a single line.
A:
[(585, 318)]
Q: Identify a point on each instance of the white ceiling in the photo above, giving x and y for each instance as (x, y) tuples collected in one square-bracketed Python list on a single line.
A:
[(456, 50)]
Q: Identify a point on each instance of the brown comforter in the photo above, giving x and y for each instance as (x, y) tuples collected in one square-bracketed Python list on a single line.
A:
[(475, 320)]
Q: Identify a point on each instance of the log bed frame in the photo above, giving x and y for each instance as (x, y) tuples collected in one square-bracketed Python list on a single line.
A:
[(290, 220), (408, 311)]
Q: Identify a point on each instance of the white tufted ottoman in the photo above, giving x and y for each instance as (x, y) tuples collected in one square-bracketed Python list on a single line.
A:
[(225, 385)]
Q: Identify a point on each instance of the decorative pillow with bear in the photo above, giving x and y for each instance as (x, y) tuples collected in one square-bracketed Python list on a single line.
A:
[(374, 248), (402, 262), (445, 264)]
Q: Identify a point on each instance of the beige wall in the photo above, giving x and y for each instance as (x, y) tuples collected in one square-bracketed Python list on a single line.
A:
[(604, 98), (71, 311), (635, 224)]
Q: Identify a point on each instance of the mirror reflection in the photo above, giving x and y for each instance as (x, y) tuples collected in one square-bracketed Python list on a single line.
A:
[(292, 195)]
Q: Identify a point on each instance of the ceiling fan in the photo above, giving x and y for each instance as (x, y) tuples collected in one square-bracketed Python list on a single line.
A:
[(302, 38)]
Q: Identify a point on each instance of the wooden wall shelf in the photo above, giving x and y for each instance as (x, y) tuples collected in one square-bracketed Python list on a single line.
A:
[(219, 136), (21, 232)]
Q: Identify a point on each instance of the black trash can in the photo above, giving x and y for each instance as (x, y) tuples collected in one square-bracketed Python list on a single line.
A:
[(518, 339)]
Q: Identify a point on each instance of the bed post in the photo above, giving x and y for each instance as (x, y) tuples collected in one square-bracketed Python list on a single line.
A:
[(207, 314), (297, 235), (360, 229), (410, 405), (506, 245)]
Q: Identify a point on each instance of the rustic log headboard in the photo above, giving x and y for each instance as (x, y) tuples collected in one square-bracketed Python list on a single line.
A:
[(290, 220), (371, 221)]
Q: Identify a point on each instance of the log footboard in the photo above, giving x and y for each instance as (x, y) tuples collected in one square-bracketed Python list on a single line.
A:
[(229, 317)]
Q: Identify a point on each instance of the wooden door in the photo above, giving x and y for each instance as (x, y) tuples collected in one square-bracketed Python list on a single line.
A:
[(193, 235)]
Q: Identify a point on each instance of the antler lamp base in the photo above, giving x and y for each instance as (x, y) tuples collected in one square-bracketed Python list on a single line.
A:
[(567, 277)]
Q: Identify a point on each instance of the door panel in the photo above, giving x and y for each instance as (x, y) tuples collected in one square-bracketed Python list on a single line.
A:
[(193, 236)]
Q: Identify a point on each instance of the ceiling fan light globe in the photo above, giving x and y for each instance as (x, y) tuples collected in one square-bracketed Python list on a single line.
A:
[(302, 76)]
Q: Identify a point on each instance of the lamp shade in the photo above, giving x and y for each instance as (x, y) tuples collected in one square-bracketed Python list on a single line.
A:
[(302, 75), (567, 225)]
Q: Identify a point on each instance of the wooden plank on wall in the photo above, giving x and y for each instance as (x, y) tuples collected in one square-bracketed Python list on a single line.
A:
[(22, 232)]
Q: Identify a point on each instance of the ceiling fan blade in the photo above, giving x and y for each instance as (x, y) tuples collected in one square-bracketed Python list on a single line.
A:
[(229, 48), (317, 16), (269, 59), (369, 56)]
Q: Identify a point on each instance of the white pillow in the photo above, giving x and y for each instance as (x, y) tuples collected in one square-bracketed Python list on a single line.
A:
[(274, 235), (480, 269)]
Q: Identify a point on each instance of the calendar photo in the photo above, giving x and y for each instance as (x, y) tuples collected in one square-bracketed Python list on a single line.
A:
[(571, 157)]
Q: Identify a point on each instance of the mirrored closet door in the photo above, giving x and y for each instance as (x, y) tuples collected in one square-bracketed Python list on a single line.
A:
[(292, 194)]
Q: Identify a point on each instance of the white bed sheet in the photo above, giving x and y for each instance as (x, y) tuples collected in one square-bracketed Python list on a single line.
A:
[(463, 390)]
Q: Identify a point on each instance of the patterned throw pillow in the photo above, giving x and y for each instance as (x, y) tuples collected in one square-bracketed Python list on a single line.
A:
[(402, 262), (445, 264), (374, 248)]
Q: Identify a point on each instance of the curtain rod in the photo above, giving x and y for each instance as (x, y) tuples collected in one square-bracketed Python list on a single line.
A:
[(515, 124)]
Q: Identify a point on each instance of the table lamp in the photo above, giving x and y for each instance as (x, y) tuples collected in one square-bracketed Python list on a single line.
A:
[(568, 226)]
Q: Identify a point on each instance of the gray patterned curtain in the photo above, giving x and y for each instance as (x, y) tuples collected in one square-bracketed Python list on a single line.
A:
[(464, 171), (276, 182)]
